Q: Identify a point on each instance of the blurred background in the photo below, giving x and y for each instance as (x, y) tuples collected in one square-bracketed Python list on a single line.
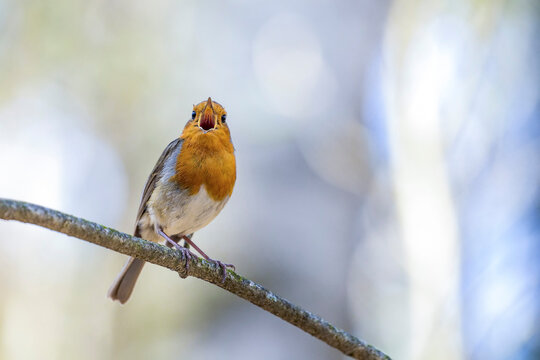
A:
[(388, 160)]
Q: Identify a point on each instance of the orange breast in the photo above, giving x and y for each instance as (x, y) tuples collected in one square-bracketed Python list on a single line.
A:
[(206, 159)]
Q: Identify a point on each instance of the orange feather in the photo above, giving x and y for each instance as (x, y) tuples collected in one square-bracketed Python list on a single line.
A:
[(207, 158)]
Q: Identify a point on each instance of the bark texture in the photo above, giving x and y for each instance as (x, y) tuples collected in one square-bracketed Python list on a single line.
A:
[(200, 268)]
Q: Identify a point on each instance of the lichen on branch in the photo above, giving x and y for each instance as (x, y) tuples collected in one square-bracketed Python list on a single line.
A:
[(199, 268)]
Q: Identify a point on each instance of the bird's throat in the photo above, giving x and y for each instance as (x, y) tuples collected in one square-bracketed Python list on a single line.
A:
[(206, 159)]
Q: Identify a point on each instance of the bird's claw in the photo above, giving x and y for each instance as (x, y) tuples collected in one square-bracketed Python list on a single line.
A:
[(223, 267), (188, 255)]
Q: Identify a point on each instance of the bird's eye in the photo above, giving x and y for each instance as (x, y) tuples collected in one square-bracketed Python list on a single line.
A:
[(223, 117), (193, 114)]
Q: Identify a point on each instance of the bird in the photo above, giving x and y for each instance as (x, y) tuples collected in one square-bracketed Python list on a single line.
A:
[(190, 184)]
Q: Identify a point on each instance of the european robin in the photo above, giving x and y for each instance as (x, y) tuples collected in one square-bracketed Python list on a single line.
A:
[(189, 185)]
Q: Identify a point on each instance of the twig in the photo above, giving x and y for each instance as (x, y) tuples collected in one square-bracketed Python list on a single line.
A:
[(173, 260)]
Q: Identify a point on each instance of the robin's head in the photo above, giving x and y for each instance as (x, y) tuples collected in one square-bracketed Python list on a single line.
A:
[(208, 115)]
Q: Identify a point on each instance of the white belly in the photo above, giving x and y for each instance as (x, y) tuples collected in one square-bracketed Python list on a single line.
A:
[(194, 215), (178, 213)]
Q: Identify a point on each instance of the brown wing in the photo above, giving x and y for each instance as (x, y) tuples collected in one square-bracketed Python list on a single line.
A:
[(154, 177)]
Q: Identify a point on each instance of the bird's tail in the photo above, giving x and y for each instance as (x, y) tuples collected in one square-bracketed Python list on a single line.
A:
[(122, 287)]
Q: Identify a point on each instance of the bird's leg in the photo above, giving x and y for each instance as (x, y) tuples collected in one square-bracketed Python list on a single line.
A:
[(186, 244), (185, 252), (223, 266)]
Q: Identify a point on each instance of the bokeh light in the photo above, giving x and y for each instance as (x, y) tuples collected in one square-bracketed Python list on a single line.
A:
[(388, 174)]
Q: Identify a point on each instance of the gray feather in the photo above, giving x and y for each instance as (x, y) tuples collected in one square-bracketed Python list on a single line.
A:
[(122, 287)]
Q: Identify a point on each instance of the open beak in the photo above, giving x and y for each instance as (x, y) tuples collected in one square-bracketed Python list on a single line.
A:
[(208, 119)]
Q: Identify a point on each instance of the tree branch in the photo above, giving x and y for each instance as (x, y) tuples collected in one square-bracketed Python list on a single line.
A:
[(173, 260)]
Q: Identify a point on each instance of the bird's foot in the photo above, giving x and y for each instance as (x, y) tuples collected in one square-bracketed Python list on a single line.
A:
[(223, 267), (188, 255), (185, 251)]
